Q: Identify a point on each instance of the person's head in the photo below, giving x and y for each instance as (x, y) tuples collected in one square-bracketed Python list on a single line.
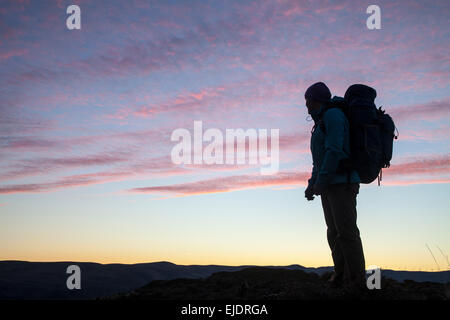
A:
[(316, 95)]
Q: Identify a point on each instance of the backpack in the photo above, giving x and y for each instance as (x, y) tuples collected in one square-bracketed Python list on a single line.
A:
[(372, 132)]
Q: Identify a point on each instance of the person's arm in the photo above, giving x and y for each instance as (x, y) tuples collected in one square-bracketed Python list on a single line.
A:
[(309, 192), (335, 122), (312, 180)]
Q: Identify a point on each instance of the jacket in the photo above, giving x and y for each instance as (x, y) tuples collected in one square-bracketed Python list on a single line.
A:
[(328, 149)]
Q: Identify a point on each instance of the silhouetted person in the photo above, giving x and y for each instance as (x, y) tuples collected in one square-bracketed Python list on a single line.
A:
[(338, 191)]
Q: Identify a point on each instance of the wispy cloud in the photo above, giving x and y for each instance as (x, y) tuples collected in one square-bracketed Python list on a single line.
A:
[(67, 182), (136, 76), (45, 166), (227, 184), (426, 165), (434, 165), (427, 111)]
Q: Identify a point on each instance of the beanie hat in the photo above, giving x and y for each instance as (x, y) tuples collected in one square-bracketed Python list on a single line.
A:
[(318, 92)]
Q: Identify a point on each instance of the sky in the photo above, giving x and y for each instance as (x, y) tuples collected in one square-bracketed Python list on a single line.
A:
[(86, 118)]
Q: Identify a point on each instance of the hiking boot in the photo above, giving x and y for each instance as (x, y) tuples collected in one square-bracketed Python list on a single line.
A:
[(356, 290), (335, 281)]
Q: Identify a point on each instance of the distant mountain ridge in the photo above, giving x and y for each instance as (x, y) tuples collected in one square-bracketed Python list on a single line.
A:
[(47, 280)]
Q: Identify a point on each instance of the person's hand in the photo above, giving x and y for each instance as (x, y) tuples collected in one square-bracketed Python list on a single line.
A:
[(318, 189), (309, 194)]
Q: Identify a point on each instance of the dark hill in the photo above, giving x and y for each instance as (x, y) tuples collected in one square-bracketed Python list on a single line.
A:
[(47, 280), (261, 283)]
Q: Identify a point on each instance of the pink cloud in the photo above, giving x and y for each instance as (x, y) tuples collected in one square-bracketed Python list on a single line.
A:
[(415, 181), (251, 95), (30, 143), (12, 53), (51, 144), (125, 154), (434, 165), (431, 165), (46, 165), (67, 182), (427, 111), (440, 133), (271, 71), (227, 184), (146, 169), (11, 124)]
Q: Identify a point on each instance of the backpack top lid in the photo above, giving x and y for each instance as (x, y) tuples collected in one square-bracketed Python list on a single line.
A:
[(337, 101), (360, 92)]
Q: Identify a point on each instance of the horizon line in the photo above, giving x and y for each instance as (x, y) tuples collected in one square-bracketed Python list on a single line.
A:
[(224, 265)]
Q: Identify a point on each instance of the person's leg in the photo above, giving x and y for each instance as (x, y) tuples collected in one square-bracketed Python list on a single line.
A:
[(342, 200), (336, 253)]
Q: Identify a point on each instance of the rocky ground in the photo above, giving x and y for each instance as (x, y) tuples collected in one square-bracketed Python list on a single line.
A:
[(259, 283)]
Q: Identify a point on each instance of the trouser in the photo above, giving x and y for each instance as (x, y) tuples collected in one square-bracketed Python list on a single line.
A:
[(339, 206)]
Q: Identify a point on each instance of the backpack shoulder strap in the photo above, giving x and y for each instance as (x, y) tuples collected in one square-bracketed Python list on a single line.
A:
[(335, 102), (321, 122)]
